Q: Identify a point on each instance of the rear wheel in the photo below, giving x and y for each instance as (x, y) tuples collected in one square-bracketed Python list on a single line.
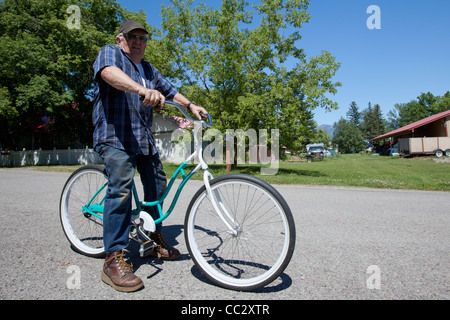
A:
[(84, 230)]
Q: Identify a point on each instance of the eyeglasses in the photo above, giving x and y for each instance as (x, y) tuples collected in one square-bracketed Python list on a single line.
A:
[(136, 37)]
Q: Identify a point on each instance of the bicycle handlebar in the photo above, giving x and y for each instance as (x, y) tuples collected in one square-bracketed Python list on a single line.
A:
[(188, 116)]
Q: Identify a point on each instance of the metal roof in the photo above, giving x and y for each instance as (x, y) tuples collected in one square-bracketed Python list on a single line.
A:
[(411, 127)]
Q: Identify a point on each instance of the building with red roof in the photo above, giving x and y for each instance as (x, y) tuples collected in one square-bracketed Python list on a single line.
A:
[(430, 135)]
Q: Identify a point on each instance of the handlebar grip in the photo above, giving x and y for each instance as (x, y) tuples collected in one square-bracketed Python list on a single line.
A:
[(209, 123), (181, 109)]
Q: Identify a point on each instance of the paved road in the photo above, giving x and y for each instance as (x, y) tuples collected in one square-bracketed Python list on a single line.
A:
[(352, 243)]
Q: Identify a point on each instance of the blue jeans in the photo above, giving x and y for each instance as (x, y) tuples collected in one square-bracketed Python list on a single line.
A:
[(120, 167)]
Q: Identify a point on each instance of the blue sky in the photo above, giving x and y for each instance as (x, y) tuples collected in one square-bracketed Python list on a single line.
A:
[(409, 55)]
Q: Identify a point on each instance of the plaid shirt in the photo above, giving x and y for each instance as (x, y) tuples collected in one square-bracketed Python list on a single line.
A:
[(120, 119)]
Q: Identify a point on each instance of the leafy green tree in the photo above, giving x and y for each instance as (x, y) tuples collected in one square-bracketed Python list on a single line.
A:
[(321, 136), (441, 104), (233, 62), (348, 136), (424, 106), (46, 66), (393, 118)]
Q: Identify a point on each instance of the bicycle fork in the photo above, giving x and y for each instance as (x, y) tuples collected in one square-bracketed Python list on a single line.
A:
[(234, 229), (214, 197)]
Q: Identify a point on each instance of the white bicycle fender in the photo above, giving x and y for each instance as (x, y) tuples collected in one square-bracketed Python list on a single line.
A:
[(149, 223)]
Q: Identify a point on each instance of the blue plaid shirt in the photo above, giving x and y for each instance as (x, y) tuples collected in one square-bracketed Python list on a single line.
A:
[(120, 119)]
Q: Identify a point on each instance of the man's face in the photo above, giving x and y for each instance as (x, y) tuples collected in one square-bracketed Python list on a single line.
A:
[(132, 46)]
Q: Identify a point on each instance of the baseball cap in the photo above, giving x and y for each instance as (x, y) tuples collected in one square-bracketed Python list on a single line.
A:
[(131, 25)]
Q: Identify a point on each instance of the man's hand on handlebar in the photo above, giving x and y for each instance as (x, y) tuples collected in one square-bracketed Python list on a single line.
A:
[(157, 100), (198, 112), (153, 98)]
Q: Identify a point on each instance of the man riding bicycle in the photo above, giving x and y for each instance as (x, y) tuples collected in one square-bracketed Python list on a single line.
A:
[(123, 138)]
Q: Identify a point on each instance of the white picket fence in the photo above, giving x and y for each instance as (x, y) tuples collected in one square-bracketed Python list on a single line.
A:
[(49, 157)]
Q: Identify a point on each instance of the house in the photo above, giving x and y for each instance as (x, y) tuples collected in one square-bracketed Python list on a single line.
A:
[(163, 128), (437, 125), (430, 135)]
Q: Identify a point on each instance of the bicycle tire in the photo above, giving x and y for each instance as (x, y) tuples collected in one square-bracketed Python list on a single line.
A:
[(84, 231), (225, 259)]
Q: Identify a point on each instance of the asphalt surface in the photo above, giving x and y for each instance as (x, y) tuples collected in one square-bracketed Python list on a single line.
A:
[(352, 243)]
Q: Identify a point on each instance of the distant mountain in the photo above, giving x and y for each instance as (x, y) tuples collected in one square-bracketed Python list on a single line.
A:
[(327, 128)]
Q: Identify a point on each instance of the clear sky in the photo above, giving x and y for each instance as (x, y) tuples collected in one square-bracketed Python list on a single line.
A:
[(409, 55)]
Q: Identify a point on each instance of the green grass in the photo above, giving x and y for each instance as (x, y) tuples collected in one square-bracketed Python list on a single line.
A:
[(421, 173)]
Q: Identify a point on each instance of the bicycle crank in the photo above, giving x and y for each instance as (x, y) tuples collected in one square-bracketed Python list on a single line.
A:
[(141, 227)]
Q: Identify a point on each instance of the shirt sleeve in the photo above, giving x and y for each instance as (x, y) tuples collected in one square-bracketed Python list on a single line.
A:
[(162, 84), (109, 55)]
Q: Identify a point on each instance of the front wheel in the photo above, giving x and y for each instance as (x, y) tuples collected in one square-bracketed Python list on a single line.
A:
[(260, 245)]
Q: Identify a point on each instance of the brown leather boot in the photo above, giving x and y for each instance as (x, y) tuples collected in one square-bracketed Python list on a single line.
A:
[(119, 275), (163, 250)]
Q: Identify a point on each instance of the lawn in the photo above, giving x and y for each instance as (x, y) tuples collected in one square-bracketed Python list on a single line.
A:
[(421, 173)]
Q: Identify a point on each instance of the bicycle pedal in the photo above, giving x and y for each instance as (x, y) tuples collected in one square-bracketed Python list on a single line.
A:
[(147, 248)]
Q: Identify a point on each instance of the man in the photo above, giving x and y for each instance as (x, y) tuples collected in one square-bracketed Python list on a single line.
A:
[(124, 141)]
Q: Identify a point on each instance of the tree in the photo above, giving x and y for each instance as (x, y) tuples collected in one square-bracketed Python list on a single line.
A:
[(373, 123), (424, 106), (441, 104), (393, 119), (236, 67), (46, 76), (321, 136), (348, 136), (353, 114), (231, 60)]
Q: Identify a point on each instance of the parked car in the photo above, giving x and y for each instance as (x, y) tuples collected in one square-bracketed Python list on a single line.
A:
[(316, 150)]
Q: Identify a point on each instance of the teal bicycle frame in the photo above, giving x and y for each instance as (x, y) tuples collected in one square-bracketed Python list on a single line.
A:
[(158, 203), (96, 209)]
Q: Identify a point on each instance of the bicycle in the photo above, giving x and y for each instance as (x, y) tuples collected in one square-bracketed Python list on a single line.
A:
[(238, 229)]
